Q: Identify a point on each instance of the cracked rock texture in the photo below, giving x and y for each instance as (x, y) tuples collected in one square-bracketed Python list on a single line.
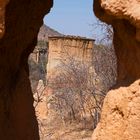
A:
[(20, 21), (120, 118), (123, 9)]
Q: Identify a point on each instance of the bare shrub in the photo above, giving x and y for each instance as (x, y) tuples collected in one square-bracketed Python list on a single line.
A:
[(102, 32), (78, 91)]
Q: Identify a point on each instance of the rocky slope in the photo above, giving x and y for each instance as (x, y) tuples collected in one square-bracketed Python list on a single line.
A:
[(123, 15), (46, 31)]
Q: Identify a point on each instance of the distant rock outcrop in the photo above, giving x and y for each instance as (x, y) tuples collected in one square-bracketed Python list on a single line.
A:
[(38, 59), (46, 31)]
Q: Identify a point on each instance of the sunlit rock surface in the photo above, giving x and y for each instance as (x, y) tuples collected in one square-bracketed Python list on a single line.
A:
[(120, 115)]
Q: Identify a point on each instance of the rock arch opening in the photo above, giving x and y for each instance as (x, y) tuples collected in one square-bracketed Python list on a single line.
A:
[(61, 96)]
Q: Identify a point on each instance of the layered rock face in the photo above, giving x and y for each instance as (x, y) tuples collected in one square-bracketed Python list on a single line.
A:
[(20, 21), (120, 117)]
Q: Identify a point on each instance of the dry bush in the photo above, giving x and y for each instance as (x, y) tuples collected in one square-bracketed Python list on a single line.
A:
[(78, 91), (102, 32)]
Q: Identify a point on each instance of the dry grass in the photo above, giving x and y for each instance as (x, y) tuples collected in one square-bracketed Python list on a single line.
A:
[(59, 131)]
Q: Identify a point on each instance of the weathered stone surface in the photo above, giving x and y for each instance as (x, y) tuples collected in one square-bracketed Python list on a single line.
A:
[(20, 21), (63, 48), (123, 9), (120, 115), (125, 23)]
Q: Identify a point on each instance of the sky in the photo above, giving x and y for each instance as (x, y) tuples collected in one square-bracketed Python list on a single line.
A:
[(72, 17)]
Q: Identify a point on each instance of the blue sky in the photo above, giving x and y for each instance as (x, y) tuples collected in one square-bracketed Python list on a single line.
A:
[(72, 17)]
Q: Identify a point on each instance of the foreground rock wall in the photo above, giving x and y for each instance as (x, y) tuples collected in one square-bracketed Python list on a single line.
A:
[(123, 15), (20, 21), (120, 116)]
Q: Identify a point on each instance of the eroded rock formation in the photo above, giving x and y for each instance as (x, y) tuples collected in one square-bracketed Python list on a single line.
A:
[(123, 15), (64, 48), (38, 59), (120, 117), (20, 21)]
